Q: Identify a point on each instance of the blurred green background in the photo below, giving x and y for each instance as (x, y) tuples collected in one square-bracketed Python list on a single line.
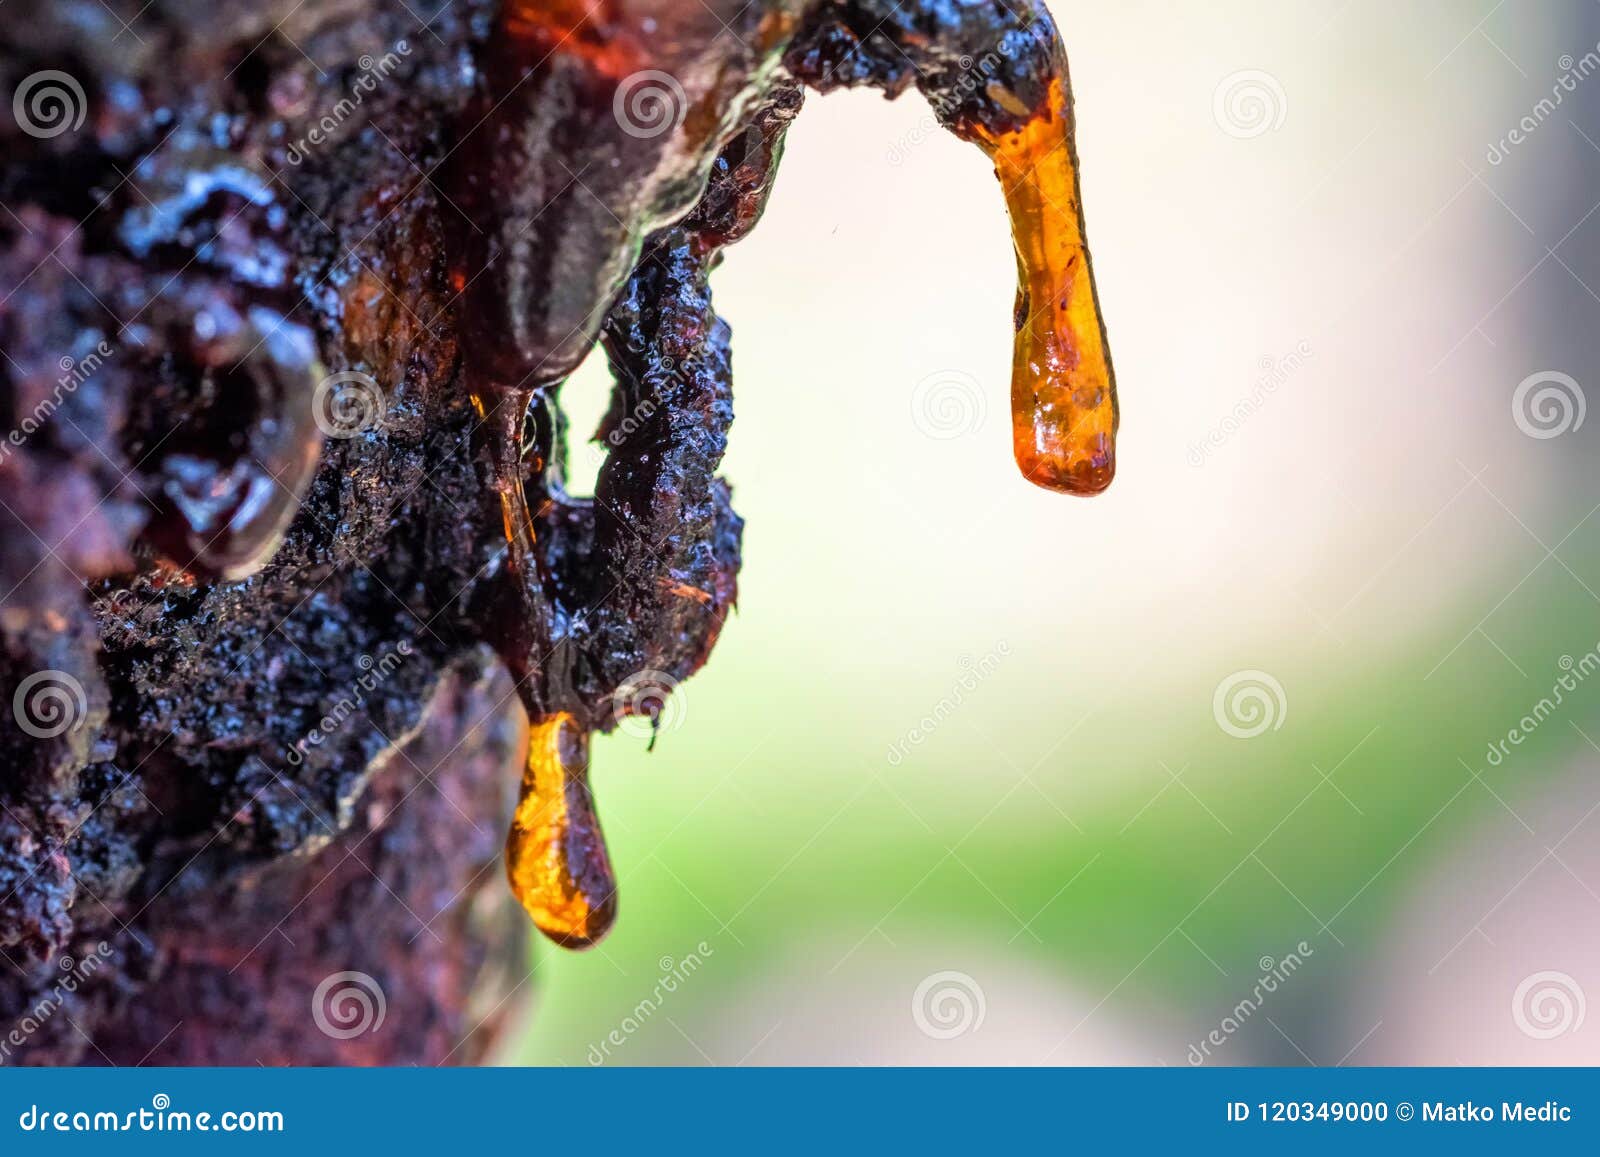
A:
[(1322, 295)]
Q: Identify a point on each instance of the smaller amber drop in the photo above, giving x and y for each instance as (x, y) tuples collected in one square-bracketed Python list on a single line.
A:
[(555, 854), (1063, 393)]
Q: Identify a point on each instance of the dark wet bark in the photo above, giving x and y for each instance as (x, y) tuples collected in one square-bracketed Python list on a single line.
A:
[(287, 290)]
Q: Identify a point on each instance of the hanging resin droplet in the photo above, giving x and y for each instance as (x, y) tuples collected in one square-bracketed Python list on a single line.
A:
[(555, 854), (1063, 392)]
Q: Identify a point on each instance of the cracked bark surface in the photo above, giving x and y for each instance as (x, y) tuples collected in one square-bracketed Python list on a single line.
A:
[(298, 632)]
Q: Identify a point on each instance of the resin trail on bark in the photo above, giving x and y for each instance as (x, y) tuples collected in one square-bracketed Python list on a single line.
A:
[(996, 75), (559, 257), (530, 179), (657, 549), (210, 556), (1063, 394)]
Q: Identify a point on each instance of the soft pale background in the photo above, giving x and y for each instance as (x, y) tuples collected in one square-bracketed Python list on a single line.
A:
[(1080, 839)]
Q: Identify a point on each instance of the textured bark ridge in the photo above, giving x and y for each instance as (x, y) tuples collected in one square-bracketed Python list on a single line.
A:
[(292, 593)]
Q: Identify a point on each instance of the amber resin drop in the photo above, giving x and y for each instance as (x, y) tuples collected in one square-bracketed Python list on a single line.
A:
[(555, 855), (1063, 393)]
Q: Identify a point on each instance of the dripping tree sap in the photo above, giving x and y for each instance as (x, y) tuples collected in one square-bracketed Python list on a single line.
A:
[(555, 855), (1063, 393), (687, 166), (260, 533)]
